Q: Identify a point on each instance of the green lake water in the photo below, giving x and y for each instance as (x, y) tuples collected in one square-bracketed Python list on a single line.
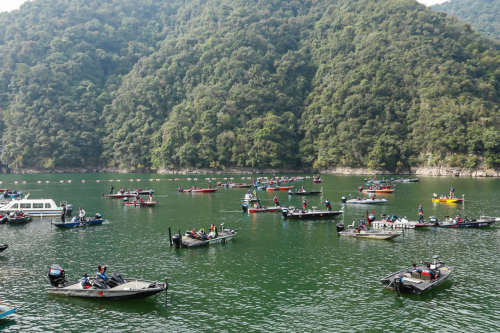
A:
[(276, 275)]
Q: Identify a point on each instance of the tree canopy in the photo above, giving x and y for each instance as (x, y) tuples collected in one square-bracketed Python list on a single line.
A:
[(259, 83)]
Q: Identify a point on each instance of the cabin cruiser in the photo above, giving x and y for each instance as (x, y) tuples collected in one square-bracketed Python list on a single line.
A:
[(416, 280), (36, 207), (115, 288)]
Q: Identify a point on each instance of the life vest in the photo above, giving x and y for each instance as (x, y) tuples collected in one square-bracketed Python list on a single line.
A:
[(102, 276)]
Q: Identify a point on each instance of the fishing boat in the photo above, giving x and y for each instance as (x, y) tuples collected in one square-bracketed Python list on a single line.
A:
[(4, 247), (145, 192), (279, 188), (189, 240), (447, 199), (18, 219), (11, 194), (366, 201), (141, 203), (6, 309), (385, 190), (415, 281), (294, 213), (482, 221), (354, 232), (120, 195), (317, 180), (4, 218), (264, 209), (402, 223), (75, 223), (204, 190), (36, 207), (115, 288), (407, 180), (299, 192), (240, 185)]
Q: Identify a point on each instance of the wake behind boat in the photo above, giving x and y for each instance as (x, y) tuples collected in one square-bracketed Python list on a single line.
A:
[(419, 278), (115, 288)]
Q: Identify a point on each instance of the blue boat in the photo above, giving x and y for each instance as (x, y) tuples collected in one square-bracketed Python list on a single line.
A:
[(72, 224), (6, 309), (12, 194)]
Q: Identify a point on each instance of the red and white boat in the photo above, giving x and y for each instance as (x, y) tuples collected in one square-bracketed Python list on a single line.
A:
[(141, 203), (120, 195), (264, 210), (201, 190), (279, 188)]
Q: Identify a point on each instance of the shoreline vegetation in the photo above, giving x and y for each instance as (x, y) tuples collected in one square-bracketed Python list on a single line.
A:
[(415, 172)]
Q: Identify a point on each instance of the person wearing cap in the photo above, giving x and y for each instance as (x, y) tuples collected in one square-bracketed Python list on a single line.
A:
[(414, 269), (328, 205), (63, 213), (420, 214), (85, 281), (101, 272), (428, 271), (81, 214)]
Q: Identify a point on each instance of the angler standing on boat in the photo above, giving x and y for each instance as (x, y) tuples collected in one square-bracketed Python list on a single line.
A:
[(452, 192), (81, 214), (276, 202), (101, 272), (111, 190), (63, 213), (150, 195), (304, 204), (420, 214), (328, 205)]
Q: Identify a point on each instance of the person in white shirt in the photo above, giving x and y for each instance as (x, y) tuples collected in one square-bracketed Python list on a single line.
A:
[(81, 214)]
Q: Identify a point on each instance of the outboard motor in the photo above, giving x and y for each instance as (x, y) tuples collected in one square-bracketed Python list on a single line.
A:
[(398, 282), (340, 227), (57, 276), (244, 206), (100, 284), (98, 216), (177, 240), (371, 217), (284, 211), (115, 280), (290, 192), (343, 199), (69, 210), (125, 199)]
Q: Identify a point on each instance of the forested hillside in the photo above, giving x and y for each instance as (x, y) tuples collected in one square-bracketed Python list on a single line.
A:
[(218, 83), (484, 15)]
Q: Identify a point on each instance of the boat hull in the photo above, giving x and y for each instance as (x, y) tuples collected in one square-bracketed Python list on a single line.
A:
[(223, 237), (119, 196), (371, 234), (129, 290), (305, 193), (310, 214), (143, 204), (6, 309), (281, 188), (264, 210), (379, 191), (447, 201), (77, 224), (367, 202)]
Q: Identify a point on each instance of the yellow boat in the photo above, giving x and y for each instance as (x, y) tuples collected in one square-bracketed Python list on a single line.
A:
[(446, 199)]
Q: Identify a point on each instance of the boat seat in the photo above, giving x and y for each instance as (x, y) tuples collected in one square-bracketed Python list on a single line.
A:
[(415, 275), (425, 277)]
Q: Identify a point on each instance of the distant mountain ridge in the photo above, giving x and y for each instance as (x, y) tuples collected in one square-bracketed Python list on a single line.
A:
[(270, 84), (484, 15)]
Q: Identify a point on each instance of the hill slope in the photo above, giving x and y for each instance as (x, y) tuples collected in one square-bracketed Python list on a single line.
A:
[(245, 83), (484, 15)]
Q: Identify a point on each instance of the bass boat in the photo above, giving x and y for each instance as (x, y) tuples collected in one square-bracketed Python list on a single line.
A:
[(115, 288), (120, 195), (305, 192), (482, 221), (293, 213), (4, 247), (19, 219), (367, 233), (385, 190), (263, 209), (367, 201), (141, 203), (201, 190), (279, 188), (75, 223), (416, 280), (190, 240), (447, 199)]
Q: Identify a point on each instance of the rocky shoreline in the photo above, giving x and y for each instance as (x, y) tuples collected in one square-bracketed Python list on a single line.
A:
[(419, 171)]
